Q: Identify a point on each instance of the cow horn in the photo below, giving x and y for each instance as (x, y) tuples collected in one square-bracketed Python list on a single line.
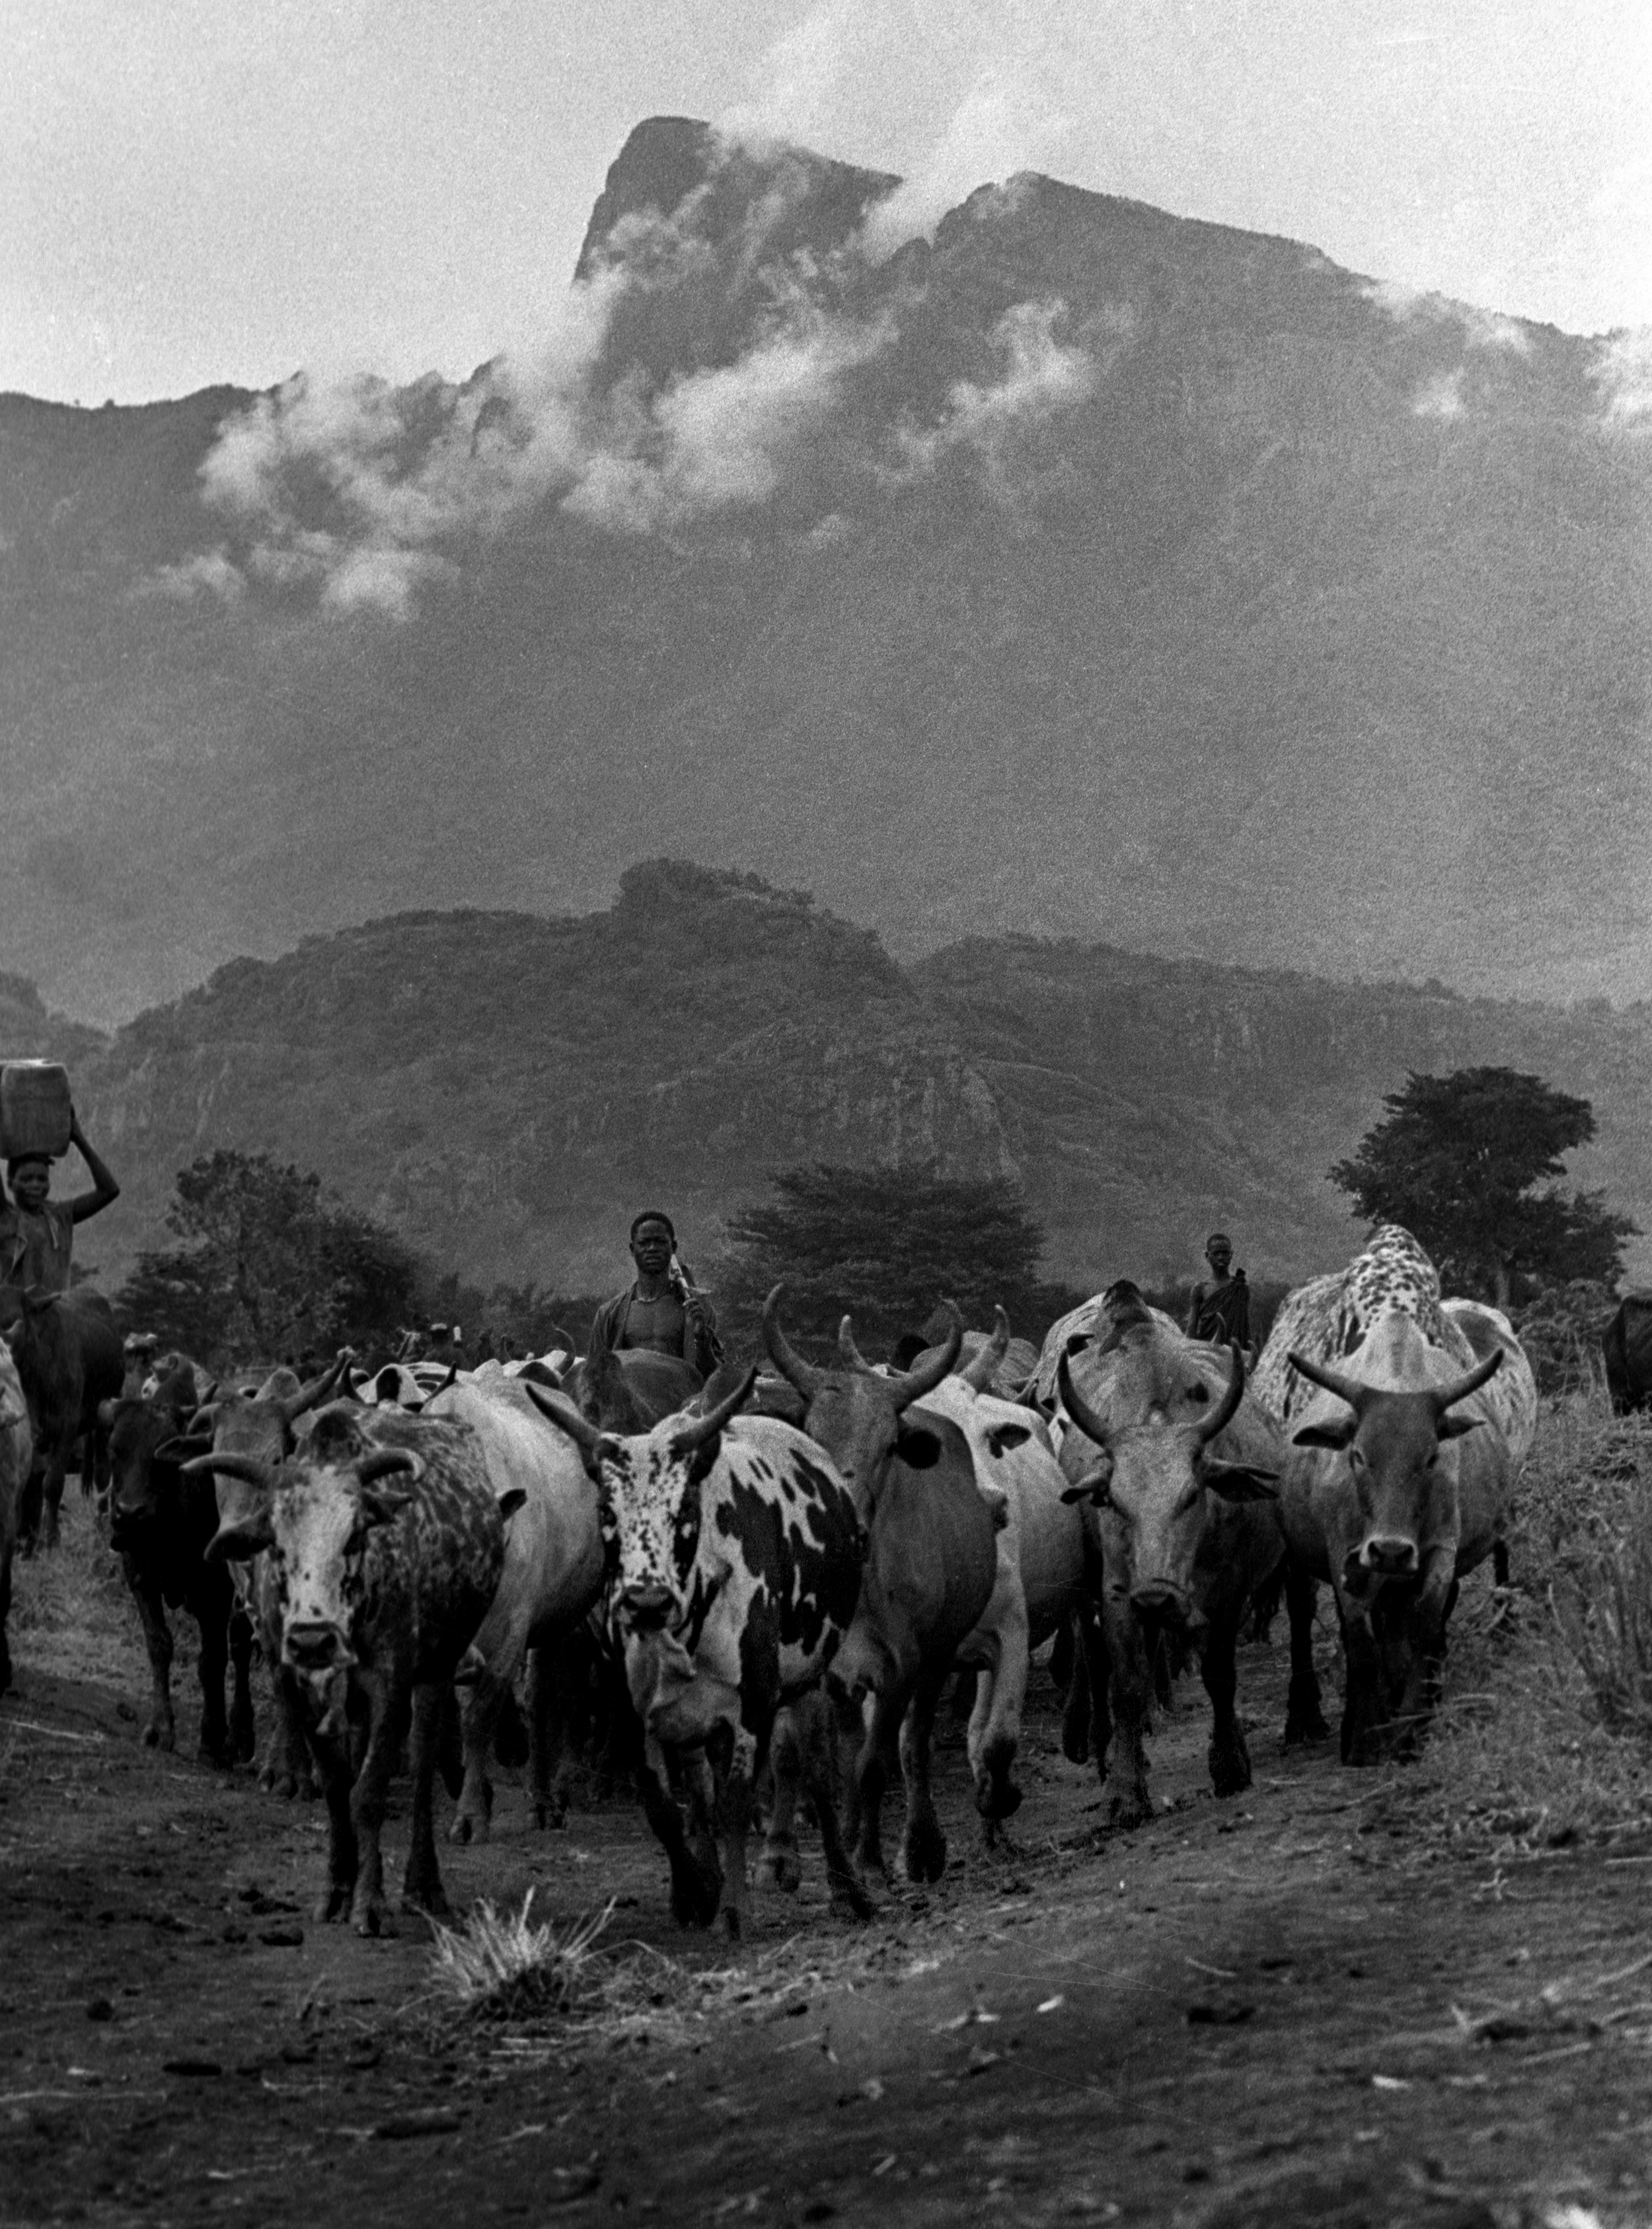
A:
[(247, 1468), (791, 1366), (850, 1352), (1461, 1388), (384, 1462), (312, 1395), (1345, 1389), (987, 1365), (557, 1409), (916, 1383), (1092, 1426), (1227, 1408), (699, 1430)]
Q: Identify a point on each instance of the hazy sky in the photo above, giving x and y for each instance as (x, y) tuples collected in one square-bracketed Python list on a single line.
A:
[(194, 190)]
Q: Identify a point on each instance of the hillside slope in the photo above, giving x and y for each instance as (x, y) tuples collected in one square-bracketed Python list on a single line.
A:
[(507, 1090), (1086, 570)]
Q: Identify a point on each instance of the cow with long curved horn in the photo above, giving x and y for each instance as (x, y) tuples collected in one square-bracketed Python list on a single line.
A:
[(931, 1570), (1396, 1484), (1177, 1476), (984, 1366), (734, 1555)]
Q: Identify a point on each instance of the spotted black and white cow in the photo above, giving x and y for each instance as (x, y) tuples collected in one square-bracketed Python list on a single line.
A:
[(735, 1559), (1407, 1419), (387, 1542)]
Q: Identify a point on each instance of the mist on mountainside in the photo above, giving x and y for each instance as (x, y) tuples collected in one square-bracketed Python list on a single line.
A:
[(1083, 570)]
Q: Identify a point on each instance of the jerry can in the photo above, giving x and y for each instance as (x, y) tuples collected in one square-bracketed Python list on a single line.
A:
[(35, 1107)]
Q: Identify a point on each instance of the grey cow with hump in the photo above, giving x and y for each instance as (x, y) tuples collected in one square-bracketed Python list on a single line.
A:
[(1177, 1470)]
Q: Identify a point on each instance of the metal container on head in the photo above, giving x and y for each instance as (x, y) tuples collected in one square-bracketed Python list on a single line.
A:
[(35, 1107)]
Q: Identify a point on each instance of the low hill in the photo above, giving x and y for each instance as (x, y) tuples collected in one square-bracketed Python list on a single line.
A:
[(506, 1090)]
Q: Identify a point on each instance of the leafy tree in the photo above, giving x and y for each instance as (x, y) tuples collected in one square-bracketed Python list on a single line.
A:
[(269, 1264), (885, 1245), (1459, 1161)]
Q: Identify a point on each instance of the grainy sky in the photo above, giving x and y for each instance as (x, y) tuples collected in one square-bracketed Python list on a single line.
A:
[(194, 190)]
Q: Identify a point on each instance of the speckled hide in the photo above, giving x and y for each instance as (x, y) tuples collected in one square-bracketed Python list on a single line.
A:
[(735, 1573), (381, 1586), (1390, 1494)]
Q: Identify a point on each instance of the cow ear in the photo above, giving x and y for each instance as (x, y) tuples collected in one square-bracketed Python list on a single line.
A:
[(1002, 1437), (235, 1543), (918, 1450), (1452, 1427), (1241, 1481), (511, 1500), (105, 1414), (1095, 1485), (1327, 1436)]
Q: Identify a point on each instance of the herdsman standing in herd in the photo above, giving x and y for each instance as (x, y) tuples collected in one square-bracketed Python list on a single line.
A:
[(660, 1309), (1220, 1311)]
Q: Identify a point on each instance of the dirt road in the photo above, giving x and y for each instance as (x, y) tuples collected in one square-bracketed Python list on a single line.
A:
[(1290, 2008)]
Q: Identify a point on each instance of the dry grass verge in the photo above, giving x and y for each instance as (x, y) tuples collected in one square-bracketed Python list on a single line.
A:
[(72, 1612), (1545, 1735)]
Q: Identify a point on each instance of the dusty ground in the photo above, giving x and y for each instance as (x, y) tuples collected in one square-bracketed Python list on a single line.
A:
[(1290, 2008)]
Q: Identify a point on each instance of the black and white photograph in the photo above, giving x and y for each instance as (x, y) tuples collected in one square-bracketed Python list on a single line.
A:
[(826, 1113)]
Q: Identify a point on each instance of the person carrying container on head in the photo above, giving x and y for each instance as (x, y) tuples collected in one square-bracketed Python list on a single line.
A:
[(37, 1232)]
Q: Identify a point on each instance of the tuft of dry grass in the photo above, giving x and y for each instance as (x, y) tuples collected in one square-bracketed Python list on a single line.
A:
[(503, 1966)]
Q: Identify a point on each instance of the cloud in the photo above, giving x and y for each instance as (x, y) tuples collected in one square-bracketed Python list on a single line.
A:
[(1440, 397), (1481, 329), (1042, 378), (209, 573), (999, 120), (1622, 371)]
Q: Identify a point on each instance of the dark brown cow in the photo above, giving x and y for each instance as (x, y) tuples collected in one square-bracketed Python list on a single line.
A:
[(1626, 1346), (160, 1525), (931, 1570), (68, 1357)]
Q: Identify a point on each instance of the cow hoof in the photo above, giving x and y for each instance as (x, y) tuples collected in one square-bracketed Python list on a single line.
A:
[(157, 1735), (1128, 1811), (1299, 1731), (244, 1745), (923, 1853), (781, 1868), (1230, 1774), (462, 1829), (333, 1902), (368, 1920), (731, 1926), (851, 1901)]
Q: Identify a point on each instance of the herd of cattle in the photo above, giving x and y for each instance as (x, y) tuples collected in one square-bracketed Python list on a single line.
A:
[(783, 1569)]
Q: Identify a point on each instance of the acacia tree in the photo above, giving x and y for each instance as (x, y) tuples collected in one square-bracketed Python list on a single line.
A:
[(1468, 1161), (269, 1264), (883, 1245)]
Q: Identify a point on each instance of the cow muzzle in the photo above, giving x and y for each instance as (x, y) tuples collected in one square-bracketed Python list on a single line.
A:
[(1389, 1556), (1160, 1603), (316, 1645), (644, 1607)]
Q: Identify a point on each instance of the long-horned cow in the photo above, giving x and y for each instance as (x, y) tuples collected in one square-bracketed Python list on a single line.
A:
[(734, 1555), (1407, 1419), (1177, 1472), (931, 1568)]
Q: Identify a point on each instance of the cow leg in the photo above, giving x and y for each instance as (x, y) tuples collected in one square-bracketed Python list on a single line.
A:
[(995, 1727), (1130, 1692), (450, 1744), (243, 1738), (479, 1715), (547, 1741), (29, 1503), (56, 1472), (696, 1893), (1304, 1718), (1500, 1562), (211, 1601), (5, 1612), (1228, 1758), (390, 1712), (877, 1720), (286, 1770), (731, 1752), (161, 1732), (343, 1854), (1067, 1669), (779, 1862), (813, 1732), (924, 1845), (1363, 1711), (421, 1888)]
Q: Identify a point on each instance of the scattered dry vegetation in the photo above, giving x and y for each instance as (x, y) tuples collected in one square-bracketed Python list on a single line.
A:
[(72, 1612)]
